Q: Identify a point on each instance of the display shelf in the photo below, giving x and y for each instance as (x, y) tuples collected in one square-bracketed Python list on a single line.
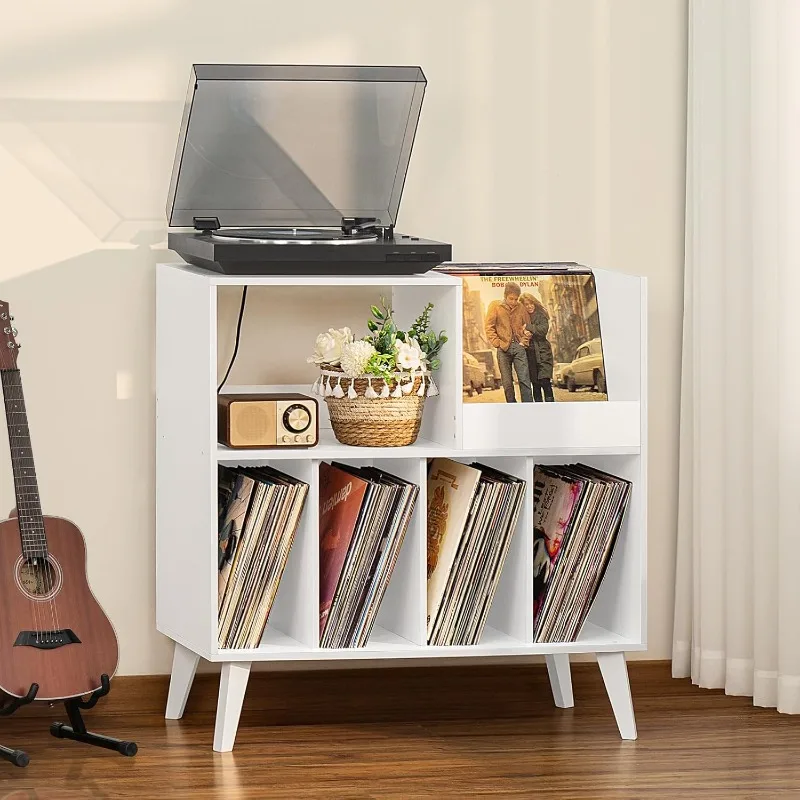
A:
[(274, 641), (329, 448), (384, 644), (609, 435), (612, 426)]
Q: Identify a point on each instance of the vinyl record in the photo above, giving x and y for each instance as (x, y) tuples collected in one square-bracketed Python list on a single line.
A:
[(293, 236)]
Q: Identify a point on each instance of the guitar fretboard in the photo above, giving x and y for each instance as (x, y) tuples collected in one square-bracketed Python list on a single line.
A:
[(29, 510)]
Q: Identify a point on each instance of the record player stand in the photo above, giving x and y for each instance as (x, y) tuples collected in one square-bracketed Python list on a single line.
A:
[(611, 436)]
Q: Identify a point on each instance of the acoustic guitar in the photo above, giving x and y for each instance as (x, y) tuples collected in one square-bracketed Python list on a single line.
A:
[(52, 630)]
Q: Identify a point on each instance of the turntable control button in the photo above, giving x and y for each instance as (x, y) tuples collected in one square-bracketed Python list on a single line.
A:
[(298, 438), (286, 438), (309, 438)]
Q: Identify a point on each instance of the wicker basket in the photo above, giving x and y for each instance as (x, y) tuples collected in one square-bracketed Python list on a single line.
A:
[(375, 422)]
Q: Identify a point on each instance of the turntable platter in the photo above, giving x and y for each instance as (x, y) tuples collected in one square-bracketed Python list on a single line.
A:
[(293, 236)]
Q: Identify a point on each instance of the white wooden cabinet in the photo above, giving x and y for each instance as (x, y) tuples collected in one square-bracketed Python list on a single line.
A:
[(610, 435)]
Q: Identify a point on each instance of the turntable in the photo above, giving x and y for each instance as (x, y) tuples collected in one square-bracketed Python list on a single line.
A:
[(297, 170)]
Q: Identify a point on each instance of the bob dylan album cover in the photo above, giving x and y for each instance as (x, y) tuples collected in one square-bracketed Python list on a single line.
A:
[(532, 337)]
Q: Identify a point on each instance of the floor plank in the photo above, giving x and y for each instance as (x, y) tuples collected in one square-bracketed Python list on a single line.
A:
[(461, 732)]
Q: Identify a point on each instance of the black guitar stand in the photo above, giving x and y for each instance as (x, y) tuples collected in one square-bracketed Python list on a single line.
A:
[(77, 729), (19, 758)]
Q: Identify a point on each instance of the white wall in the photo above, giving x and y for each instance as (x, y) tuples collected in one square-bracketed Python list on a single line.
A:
[(550, 130)]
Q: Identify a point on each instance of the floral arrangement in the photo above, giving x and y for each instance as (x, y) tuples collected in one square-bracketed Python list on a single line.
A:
[(386, 353)]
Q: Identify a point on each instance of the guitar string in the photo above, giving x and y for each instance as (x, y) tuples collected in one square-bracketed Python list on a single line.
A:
[(32, 526), (9, 397), (46, 571)]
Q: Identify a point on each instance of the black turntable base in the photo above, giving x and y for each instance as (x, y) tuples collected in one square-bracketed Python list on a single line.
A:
[(279, 251)]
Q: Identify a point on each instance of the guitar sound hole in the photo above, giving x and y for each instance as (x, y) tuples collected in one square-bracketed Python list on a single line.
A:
[(38, 578)]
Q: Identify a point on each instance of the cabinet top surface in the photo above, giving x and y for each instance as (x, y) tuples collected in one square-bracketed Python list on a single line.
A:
[(218, 279)]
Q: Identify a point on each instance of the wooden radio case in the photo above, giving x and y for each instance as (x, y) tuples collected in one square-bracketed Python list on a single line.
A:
[(267, 420)]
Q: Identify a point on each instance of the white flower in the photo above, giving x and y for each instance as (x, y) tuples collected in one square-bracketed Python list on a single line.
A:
[(355, 356), (409, 354), (328, 347)]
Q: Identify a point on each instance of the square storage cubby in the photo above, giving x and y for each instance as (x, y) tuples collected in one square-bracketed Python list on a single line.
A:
[(508, 623), (271, 359), (288, 627), (617, 612), (400, 619)]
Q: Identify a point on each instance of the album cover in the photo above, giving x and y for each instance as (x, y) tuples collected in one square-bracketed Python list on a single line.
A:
[(451, 488), (341, 498), (231, 526), (554, 501), (531, 333)]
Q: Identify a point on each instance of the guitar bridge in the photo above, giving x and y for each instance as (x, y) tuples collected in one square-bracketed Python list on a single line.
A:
[(46, 640)]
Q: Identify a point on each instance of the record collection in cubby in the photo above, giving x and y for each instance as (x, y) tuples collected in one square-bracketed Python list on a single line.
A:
[(473, 513)]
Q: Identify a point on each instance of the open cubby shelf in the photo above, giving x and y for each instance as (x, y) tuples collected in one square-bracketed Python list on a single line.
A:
[(609, 435)]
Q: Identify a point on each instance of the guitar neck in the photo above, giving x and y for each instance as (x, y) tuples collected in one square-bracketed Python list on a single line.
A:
[(29, 510)]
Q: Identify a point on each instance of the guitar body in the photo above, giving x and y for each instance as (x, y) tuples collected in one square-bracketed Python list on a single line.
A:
[(44, 609)]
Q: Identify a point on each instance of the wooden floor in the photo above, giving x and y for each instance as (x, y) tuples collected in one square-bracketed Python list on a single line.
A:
[(459, 732)]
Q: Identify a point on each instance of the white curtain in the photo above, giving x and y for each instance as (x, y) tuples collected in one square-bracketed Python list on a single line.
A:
[(737, 606)]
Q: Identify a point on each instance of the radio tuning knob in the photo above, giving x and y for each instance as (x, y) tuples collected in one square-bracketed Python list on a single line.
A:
[(286, 438), (296, 418)]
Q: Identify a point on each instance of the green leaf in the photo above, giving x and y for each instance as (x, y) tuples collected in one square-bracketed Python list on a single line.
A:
[(376, 312), (435, 364)]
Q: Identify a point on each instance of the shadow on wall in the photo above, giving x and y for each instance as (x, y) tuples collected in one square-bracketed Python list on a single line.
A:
[(108, 162), (86, 326), (92, 175)]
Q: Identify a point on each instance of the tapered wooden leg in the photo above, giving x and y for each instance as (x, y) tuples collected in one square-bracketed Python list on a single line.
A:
[(615, 676), (560, 679), (232, 686), (184, 666)]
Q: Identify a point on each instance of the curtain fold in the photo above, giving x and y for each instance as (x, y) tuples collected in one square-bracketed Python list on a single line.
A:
[(737, 599)]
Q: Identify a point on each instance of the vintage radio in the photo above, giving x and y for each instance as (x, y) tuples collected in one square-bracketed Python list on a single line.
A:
[(267, 420)]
